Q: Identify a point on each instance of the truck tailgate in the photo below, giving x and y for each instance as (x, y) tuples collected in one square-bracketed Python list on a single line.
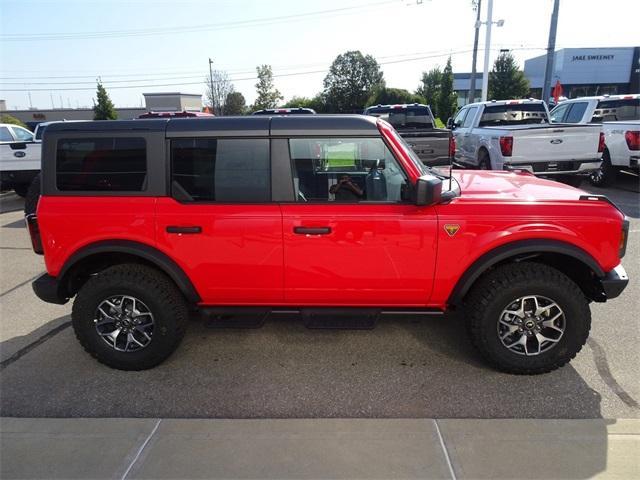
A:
[(432, 147), (557, 143)]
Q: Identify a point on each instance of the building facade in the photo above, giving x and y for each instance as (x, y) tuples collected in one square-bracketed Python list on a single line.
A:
[(158, 102), (581, 72)]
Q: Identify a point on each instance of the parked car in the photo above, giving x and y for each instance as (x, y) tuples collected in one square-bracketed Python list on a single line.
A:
[(416, 124), (517, 135), (331, 216), (19, 158), (285, 111), (620, 119)]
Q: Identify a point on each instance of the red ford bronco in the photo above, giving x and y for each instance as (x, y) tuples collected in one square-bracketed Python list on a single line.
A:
[(333, 217)]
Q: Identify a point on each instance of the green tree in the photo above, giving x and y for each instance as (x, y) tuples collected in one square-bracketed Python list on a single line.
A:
[(447, 101), (506, 81), (103, 108), (430, 86), (351, 80), (268, 94), (317, 103), (235, 104), (6, 118), (385, 96)]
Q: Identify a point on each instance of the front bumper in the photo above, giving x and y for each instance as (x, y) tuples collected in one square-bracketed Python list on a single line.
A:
[(47, 288), (556, 168), (614, 282)]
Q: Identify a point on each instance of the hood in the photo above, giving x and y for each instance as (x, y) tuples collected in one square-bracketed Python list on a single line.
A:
[(499, 185)]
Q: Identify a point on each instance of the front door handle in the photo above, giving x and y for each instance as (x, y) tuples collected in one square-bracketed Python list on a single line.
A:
[(189, 229), (312, 230)]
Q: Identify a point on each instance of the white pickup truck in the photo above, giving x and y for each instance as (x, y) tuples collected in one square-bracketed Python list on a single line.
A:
[(517, 135), (619, 116), (19, 158)]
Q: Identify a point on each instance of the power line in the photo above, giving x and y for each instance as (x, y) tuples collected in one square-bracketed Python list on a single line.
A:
[(9, 37), (312, 72)]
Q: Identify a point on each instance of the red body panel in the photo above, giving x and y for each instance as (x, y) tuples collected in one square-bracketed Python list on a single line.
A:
[(237, 259), (378, 255), (69, 223)]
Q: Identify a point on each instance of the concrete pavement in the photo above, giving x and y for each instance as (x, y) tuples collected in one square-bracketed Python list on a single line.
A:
[(321, 448)]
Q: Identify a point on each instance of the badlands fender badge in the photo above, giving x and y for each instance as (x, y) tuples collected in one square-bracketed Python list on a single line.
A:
[(451, 229)]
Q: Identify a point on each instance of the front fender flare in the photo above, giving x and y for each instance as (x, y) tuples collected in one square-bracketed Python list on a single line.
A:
[(518, 249)]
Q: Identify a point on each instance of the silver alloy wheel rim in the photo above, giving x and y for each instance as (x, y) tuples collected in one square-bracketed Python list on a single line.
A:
[(124, 322), (531, 325), (597, 175)]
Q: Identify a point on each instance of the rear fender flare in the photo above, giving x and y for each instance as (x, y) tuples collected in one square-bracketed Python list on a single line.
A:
[(150, 254)]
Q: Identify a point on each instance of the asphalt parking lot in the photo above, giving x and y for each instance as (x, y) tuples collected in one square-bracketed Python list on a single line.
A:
[(410, 368)]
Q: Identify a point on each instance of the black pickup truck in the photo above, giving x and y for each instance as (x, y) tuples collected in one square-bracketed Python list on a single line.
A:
[(415, 123)]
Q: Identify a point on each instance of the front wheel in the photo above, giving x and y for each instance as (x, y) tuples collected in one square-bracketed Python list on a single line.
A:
[(527, 318), (129, 317)]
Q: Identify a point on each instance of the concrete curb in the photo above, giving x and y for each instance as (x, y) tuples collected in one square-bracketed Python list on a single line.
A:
[(319, 448)]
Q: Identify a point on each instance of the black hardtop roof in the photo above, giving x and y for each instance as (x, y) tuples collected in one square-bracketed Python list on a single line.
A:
[(260, 125)]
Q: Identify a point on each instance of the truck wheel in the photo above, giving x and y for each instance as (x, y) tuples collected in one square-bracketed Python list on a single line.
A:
[(606, 174), (129, 317), (527, 318), (484, 161), (21, 190), (33, 195)]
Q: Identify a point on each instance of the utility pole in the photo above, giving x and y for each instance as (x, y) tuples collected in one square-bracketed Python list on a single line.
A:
[(472, 84), (487, 50), (551, 49), (211, 84)]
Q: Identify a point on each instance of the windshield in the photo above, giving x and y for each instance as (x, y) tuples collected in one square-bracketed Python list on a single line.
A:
[(516, 114), (621, 109), (404, 118)]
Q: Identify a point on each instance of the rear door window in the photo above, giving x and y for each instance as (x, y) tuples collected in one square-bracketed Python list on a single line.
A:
[(221, 170), (576, 112), (622, 109), (5, 135), (101, 164)]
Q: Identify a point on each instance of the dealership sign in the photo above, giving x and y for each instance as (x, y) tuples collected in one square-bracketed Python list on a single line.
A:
[(582, 58)]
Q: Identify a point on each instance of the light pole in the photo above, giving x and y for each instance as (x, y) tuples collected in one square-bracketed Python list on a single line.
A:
[(472, 81), (487, 49), (551, 48), (211, 84)]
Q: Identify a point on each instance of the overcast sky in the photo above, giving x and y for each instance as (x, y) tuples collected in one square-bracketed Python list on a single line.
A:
[(56, 49)]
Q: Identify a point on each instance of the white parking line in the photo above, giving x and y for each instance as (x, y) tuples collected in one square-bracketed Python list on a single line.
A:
[(144, 444), (444, 450)]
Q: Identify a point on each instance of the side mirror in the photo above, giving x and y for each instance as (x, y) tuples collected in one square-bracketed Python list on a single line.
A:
[(428, 190), (450, 124)]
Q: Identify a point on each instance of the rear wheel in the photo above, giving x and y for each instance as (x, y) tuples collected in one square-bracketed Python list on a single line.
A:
[(527, 318), (606, 174), (484, 161), (129, 317)]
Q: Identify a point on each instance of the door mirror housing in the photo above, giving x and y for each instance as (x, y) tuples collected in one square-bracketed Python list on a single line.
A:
[(428, 190), (450, 124)]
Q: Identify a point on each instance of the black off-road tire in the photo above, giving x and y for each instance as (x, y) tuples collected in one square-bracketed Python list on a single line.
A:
[(33, 195), (158, 293), (495, 291), (21, 190), (605, 176), (484, 160)]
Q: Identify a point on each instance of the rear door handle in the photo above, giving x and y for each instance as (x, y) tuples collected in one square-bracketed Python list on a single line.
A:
[(312, 230), (190, 229)]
